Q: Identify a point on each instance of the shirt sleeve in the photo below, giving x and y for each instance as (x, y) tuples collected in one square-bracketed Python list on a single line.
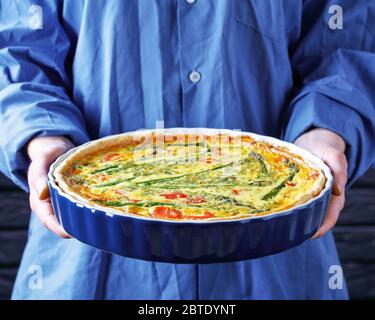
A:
[(34, 86), (336, 79)]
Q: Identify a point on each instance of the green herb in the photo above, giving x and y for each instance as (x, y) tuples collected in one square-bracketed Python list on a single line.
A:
[(147, 204), (260, 183), (111, 203), (186, 186), (228, 200), (196, 144), (235, 202), (78, 180), (257, 211)]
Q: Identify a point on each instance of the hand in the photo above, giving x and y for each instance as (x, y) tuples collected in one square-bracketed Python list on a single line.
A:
[(42, 152), (330, 147)]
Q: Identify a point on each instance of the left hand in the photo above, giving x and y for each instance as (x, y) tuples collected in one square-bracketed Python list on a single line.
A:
[(42, 152), (330, 147)]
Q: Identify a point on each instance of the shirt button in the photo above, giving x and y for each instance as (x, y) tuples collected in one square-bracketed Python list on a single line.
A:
[(195, 76), (190, 1)]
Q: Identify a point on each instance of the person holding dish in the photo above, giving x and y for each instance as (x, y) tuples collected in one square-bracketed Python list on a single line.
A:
[(97, 68)]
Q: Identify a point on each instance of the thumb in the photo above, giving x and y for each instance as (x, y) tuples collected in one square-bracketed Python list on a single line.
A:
[(37, 176), (42, 152)]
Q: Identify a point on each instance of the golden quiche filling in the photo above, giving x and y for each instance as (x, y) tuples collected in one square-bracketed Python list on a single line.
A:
[(189, 177)]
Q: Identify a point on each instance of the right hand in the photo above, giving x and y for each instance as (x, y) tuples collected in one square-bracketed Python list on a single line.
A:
[(42, 152)]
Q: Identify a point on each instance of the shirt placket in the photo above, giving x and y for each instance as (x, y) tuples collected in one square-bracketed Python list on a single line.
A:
[(196, 25)]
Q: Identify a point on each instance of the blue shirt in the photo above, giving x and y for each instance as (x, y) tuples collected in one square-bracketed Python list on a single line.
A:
[(103, 67)]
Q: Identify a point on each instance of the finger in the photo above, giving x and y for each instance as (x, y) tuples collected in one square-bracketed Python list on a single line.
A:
[(37, 177), (48, 147), (44, 211), (39, 167), (337, 162), (334, 208)]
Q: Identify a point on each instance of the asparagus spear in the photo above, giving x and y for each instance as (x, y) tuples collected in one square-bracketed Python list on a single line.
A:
[(112, 183), (293, 171), (183, 175), (104, 169), (261, 183), (261, 161)]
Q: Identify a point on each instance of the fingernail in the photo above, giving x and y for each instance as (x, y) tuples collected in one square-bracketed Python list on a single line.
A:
[(64, 233), (42, 189), (336, 190)]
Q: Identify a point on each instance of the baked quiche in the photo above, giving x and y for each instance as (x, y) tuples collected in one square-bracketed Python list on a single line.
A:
[(188, 176)]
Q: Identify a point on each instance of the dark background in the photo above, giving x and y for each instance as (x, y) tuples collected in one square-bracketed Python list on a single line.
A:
[(354, 234)]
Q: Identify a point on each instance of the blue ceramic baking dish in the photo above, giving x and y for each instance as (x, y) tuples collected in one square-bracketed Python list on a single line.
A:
[(193, 241)]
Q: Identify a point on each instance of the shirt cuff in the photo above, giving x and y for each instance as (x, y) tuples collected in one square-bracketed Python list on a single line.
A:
[(14, 158), (315, 110)]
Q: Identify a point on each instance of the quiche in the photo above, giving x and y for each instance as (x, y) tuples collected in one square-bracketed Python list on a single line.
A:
[(188, 176)]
